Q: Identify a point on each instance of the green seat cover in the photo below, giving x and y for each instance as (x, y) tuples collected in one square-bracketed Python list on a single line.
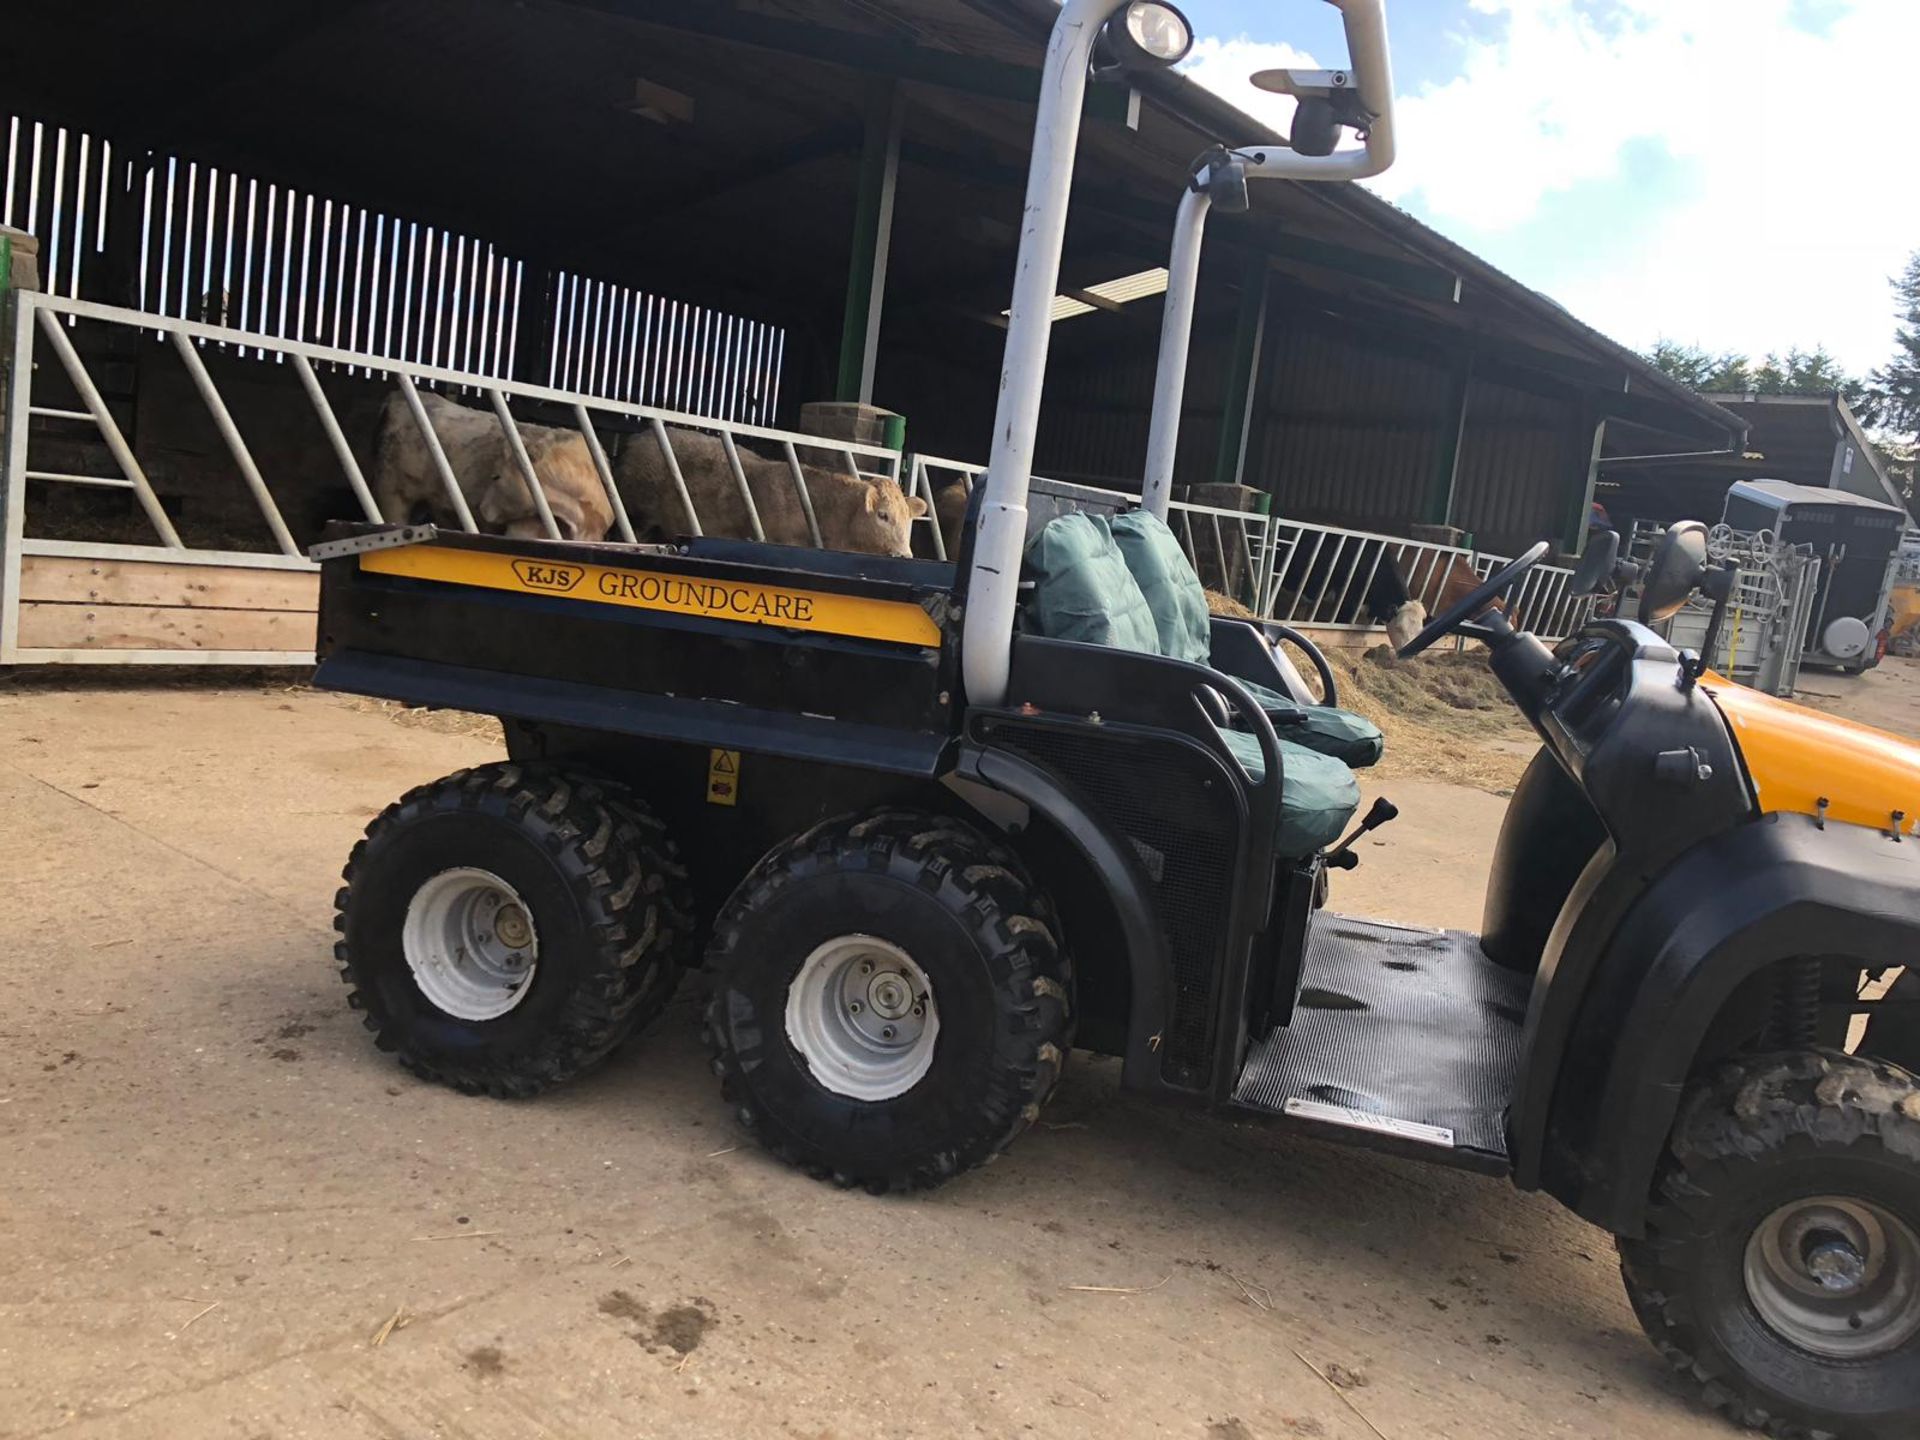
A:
[(1174, 593), (1083, 590), (1318, 796), (1180, 617), (1349, 738), (1126, 583)]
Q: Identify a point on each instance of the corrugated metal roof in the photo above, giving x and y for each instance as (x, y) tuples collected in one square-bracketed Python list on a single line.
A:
[(1792, 494)]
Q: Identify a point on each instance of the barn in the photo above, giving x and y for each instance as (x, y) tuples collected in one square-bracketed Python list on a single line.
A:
[(723, 211)]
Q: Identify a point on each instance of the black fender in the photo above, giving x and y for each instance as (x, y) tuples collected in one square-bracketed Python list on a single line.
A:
[(1780, 887), (1126, 891)]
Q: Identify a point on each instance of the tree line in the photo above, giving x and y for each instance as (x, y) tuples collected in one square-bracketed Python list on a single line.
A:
[(1886, 401)]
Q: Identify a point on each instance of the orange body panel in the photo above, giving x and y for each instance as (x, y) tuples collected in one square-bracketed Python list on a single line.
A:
[(1906, 609), (1796, 757)]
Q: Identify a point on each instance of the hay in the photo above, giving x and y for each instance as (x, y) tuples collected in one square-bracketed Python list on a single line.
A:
[(440, 722), (1228, 607), (1444, 716)]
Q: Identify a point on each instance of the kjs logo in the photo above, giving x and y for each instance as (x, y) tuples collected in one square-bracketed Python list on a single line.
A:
[(542, 575)]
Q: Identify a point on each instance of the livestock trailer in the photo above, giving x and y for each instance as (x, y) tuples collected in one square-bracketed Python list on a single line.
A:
[(1858, 543)]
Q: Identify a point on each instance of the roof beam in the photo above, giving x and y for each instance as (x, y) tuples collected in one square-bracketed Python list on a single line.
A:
[(840, 140), (1424, 282), (880, 55), (173, 113)]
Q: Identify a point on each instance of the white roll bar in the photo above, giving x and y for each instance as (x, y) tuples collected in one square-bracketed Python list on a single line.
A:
[(1000, 538), (993, 584), (1366, 26)]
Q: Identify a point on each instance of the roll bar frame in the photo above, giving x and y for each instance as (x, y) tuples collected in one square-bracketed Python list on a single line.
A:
[(1000, 537)]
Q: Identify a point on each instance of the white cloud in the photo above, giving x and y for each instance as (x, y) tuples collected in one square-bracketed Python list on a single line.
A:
[(1797, 143)]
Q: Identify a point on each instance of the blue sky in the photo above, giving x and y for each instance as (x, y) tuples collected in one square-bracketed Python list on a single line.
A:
[(1729, 173)]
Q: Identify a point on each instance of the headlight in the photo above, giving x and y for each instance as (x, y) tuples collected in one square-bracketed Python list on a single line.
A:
[(1159, 31), (1145, 35)]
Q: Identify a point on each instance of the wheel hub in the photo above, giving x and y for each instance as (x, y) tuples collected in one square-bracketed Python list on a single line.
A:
[(510, 923), (1832, 1260), (470, 942), (860, 1014), (1837, 1277)]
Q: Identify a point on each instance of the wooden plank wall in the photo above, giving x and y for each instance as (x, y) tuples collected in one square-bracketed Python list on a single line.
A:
[(81, 604)]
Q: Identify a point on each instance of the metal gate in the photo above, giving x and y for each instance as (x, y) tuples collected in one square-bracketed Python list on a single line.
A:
[(166, 602), (1309, 575), (1763, 640)]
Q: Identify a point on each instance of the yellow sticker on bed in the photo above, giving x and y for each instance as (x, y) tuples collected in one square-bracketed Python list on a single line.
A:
[(748, 602)]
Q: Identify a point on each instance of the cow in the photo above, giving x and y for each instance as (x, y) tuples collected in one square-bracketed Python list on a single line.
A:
[(949, 515), (408, 488), (1316, 587), (1401, 604), (869, 514)]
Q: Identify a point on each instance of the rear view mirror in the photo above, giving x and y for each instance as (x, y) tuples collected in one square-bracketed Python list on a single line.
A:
[(1676, 571)]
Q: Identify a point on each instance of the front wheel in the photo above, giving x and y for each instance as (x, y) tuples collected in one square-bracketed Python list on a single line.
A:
[(890, 1002), (1780, 1270)]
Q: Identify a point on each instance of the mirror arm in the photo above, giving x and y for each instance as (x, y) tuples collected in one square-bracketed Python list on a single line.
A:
[(1717, 585)]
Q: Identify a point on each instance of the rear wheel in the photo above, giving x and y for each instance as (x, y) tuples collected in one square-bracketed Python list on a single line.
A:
[(1780, 1269), (890, 1002), (507, 927)]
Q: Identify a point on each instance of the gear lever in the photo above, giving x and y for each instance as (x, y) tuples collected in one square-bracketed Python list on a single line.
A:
[(1341, 857)]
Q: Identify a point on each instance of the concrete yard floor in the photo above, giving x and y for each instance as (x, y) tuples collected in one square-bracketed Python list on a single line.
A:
[(225, 1215)]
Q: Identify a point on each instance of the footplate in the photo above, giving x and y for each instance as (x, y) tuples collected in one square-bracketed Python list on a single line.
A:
[(1404, 1038)]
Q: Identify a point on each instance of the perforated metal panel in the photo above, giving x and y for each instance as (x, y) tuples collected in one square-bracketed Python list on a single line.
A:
[(1175, 808)]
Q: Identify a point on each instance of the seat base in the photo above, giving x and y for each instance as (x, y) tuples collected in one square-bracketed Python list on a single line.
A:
[(1402, 1039)]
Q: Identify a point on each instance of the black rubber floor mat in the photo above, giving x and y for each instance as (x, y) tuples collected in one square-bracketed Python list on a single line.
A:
[(1396, 1025)]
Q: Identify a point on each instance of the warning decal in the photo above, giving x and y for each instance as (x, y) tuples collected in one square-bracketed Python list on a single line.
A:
[(723, 777)]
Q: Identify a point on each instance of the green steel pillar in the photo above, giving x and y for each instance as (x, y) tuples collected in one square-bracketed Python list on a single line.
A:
[(1583, 489), (1243, 373), (1453, 434), (872, 235)]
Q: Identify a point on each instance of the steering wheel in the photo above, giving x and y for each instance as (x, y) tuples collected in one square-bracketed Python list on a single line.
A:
[(1460, 614)]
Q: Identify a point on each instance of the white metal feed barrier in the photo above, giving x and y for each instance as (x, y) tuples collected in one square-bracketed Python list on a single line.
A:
[(1241, 541), (1252, 557), (50, 317), (1290, 571)]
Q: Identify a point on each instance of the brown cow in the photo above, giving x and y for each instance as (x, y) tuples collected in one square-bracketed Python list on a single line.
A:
[(870, 515), (407, 485)]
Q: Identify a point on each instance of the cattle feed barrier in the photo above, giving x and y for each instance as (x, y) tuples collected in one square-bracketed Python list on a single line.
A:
[(65, 601), (166, 602), (1313, 577)]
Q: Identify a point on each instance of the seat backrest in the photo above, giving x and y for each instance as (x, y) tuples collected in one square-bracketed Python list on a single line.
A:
[(1048, 500), (1174, 593), (1083, 590)]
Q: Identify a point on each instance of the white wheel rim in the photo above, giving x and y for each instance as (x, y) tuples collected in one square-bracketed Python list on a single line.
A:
[(860, 1013), (470, 941), (1838, 1277)]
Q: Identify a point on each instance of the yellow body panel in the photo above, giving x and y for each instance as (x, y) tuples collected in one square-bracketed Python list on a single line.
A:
[(1796, 757), (1906, 610), (747, 602)]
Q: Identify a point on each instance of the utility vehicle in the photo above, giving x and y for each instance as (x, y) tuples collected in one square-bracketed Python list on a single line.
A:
[(930, 847)]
